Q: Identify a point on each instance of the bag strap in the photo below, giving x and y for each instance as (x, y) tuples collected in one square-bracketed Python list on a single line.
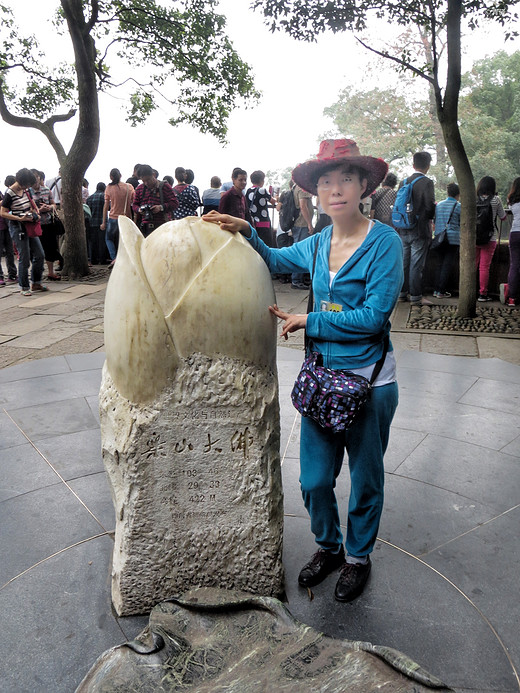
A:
[(33, 203), (310, 302), (380, 362), (449, 218)]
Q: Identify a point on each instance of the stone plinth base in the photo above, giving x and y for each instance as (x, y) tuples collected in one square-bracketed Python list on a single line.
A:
[(196, 483)]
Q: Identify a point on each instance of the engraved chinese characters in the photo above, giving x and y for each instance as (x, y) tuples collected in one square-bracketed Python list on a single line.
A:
[(189, 416)]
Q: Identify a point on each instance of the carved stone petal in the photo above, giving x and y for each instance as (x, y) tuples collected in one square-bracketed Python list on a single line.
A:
[(140, 352)]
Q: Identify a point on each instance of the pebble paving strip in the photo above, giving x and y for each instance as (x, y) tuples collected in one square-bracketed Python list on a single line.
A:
[(493, 320)]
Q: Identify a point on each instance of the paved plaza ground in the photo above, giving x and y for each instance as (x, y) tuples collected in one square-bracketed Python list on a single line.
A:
[(444, 586)]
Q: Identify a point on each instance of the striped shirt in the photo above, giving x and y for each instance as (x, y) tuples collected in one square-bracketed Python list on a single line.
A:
[(18, 204), (442, 214)]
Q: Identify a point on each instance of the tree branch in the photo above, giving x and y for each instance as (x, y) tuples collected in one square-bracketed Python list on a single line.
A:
[(47, 128), (94, 16), (404, 63)]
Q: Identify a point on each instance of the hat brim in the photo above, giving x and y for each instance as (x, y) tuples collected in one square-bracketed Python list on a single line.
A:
[(306, 175)]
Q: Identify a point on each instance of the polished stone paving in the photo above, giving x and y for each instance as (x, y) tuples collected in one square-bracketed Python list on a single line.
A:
[(444, 586)]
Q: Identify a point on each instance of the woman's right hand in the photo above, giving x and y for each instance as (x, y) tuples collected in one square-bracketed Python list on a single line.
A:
[(228, 223)]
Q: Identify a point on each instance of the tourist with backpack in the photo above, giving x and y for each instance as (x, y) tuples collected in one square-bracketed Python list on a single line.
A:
[(489, 207), (414, 208)]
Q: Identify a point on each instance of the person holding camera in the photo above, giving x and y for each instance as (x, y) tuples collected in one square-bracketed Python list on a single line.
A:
[(154, 201), (18, 211)]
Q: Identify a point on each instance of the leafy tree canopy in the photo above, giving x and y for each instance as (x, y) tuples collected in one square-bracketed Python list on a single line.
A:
[(174, 55)]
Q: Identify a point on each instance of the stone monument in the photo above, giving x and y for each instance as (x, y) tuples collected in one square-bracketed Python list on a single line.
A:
[(189, 416)]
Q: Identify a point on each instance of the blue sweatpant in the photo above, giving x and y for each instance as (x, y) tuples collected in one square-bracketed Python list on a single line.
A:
[(321, 459)]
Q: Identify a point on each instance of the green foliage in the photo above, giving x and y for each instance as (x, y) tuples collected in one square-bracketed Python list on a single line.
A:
[(490, 118), (305, 19), (383, 122), (176, 55)]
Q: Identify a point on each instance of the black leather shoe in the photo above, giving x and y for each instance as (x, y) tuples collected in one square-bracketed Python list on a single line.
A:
[(352, 581), (321, 564)]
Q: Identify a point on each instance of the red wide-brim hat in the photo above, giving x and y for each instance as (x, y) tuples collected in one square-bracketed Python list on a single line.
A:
[(334, 152)]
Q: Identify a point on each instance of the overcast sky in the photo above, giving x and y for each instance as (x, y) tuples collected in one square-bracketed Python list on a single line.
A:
[(282, 130)]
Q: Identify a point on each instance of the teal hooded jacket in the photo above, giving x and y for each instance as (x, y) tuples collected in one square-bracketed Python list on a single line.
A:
[(366, 287)]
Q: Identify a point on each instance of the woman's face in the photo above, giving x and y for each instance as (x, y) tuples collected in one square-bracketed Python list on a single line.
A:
[(340, 192)]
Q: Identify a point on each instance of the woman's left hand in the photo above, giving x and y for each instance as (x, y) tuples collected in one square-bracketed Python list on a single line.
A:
[(293, 321)]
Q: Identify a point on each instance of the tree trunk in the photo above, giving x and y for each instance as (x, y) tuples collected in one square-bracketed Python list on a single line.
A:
[(86, 141), (468, 217), (447, 112)]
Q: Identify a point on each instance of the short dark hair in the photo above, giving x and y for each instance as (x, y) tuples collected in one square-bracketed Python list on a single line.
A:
[(453, 190), (237, 171), (145, 170), (422, 159), (168, 179), (390, 180), (101, 187), (25, 178), (9, 180), (180, 174), (257, 177), (487, 186), (215, 182), (190, 176)]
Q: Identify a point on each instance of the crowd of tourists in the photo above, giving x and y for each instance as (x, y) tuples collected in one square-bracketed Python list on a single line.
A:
[(31, 224)]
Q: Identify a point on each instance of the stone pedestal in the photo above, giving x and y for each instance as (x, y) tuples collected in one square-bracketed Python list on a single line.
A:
[(189, 416)]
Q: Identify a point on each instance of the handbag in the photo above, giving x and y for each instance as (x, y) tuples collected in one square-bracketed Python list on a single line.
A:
[(332, 398), (440, 241), (56, 225), (33, 228)]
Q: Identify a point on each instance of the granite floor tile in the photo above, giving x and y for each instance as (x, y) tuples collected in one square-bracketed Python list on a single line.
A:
[(486, 476), (449, 344), (44, 338), (38, 524), (55, 418), (85, 362), (419, 518), (431, 414), (480, 368), (94, 491), (93, 403), (513, 448), (34, 369), (405, 606), (74, 454), (57, 620), (10, 434), (23, 470), (50, 388), (509, 349), (30, 323), (401, 444), (495, 395), (485, 565), (449, 386)]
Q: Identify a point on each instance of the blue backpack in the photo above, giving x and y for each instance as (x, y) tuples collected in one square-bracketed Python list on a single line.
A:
[(403, 216)]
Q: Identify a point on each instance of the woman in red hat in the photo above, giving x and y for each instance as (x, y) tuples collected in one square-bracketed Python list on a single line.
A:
[(356, 266)]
